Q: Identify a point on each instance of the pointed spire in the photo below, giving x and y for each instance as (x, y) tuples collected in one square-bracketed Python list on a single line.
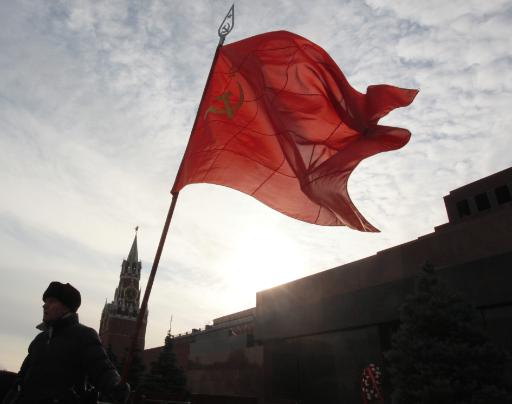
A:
[(133, 256), (170, 328)]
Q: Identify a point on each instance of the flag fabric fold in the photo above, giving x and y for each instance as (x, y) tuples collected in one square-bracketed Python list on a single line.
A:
[(280, 122)]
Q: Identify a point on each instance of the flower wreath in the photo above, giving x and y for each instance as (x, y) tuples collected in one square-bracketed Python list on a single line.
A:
[(371, 384)]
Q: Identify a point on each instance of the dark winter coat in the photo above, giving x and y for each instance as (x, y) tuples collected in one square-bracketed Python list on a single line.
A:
[(60, 360)]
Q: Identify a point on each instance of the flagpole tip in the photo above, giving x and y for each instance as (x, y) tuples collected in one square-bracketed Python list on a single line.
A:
[(227, 25)]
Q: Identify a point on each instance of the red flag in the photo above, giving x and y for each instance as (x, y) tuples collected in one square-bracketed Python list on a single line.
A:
[(280, 122)]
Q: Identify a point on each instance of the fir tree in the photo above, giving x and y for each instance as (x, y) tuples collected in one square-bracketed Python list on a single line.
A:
[(165, 377), (136, 371), (440, 353)]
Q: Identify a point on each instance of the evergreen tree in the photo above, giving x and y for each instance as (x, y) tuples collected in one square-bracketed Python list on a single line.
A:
[(440, 353), (165, 377), (136, 371)]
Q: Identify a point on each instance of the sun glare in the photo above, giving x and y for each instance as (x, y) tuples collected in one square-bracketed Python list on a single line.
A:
[(264, 257)]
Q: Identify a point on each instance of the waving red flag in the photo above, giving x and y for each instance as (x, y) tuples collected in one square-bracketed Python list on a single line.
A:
[(280, 122)]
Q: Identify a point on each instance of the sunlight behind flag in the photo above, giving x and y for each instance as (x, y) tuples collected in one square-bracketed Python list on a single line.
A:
[(263, 257), (279, 121)]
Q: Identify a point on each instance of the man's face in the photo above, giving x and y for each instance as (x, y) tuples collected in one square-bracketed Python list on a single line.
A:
[(53, 309)]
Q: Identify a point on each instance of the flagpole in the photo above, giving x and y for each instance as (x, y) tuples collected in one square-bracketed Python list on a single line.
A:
[(144, 304), (224, 29)]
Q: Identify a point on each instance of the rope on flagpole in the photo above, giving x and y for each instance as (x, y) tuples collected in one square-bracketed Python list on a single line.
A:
[(224, 29)]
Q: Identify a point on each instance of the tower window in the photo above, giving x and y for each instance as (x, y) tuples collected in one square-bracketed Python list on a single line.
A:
[(482, 202), (463, 208), (502, 194)]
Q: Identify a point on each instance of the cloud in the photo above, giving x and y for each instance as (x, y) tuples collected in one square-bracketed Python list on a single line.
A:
[(97, 100)]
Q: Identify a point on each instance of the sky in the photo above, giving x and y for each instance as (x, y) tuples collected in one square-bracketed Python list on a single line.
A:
[(97, 100)]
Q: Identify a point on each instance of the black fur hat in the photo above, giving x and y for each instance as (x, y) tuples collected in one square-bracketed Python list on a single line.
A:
[(65, 293)]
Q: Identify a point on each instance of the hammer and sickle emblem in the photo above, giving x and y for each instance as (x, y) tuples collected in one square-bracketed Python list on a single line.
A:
[(228, 109)]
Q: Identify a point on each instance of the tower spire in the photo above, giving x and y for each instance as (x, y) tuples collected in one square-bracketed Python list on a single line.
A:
[(118, 318), (133, 255), (170, 328)]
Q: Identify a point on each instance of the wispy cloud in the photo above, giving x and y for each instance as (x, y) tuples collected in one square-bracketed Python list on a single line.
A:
[(96, 103)]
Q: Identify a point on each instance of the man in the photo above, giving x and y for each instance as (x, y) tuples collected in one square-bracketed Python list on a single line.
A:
[(65, 356)]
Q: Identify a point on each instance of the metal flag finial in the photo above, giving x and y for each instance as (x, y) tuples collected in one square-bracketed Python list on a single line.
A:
[(227, 24)]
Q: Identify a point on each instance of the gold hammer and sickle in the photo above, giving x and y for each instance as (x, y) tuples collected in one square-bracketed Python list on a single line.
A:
[(228, 109)]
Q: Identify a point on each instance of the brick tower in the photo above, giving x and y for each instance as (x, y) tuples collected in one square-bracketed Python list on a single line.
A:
[(118, 318)]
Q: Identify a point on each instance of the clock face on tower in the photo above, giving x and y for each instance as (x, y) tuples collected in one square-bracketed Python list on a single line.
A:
[(130, 294)]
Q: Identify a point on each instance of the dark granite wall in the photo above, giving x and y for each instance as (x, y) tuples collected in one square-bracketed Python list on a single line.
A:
[(318, 350)]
